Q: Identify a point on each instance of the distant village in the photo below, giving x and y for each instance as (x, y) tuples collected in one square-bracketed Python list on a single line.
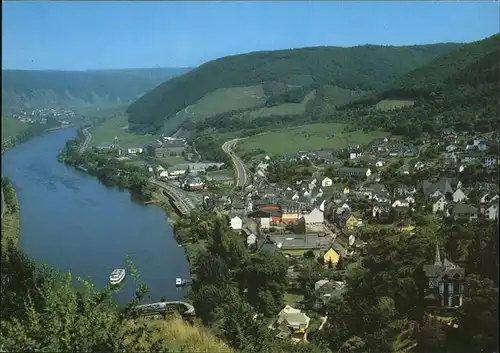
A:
[(41, 116)]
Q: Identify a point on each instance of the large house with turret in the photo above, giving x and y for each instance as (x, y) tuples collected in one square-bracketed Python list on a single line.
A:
[(446, 285)]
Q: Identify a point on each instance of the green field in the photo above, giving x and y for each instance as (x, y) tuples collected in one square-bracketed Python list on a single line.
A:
[(117, 126), (292, 299), (228, 172), (388, 104), (307, 137), (97, 112), (171, 161), (283, 109), (11, 127), (217, 102)]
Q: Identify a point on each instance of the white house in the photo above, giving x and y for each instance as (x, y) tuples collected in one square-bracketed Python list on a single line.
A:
[(315, 217), (380, 164), (326, 182), (459, 196), (401, 203), (354, 155), (306, 194), (439, 205), (381, 198), (368, 172), (236, 223), (322, 206), (163, 174), (419, 165), (295, 197), (492, 212), (265, 223), (177, 173), (486, 198), (410, 199), (251, 239), (134, 150)]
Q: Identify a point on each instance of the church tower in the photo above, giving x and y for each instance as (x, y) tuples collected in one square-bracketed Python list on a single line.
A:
[(437, 256)]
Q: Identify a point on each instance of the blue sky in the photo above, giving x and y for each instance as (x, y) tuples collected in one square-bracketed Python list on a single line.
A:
[(110, 35)]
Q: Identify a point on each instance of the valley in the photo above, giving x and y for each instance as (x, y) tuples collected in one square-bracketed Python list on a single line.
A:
[(321, 199)]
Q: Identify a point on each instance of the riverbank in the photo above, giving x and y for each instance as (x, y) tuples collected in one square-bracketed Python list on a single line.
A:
[(113, 172), (59, 127), (27, 135), (162, 200), (107, 168), (11, 219)]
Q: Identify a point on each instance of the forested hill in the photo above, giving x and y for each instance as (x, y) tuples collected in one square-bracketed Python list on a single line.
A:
[(40, 89), (362, 68), (473, 63), (457, 90)]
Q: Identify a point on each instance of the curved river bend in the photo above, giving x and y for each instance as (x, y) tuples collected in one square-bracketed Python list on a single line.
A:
[(72, 222)]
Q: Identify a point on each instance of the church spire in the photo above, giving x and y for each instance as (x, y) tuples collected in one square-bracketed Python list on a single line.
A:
[(437, 259)]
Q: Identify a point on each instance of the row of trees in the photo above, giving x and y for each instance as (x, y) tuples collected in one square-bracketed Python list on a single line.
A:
[(9, 195), (30, 132), (111, 171)]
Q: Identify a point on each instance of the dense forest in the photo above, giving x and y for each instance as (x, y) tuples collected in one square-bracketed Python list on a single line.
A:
[(463, 93), (458, 90), (361, 68), (39, 89)]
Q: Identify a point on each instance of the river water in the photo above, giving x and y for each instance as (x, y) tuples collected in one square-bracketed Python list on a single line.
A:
[(71, 221)]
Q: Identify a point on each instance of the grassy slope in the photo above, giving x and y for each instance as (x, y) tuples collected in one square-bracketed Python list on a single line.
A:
[(219, 101), (283, 109), (357, 68), (307, 137), (388, 104), (182, 337), (11, 127), (116, 126)]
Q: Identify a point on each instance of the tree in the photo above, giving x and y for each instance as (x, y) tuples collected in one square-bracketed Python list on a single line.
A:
[(353, 345), (341, 263), (478, 316), (309, 254)]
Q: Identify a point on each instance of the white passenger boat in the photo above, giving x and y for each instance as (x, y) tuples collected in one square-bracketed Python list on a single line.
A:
[(117, 276)]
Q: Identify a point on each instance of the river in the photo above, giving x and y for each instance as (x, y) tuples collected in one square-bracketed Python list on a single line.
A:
[(72, 222)]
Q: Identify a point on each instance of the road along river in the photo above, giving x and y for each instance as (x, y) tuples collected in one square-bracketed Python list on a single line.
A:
[(72, 222)]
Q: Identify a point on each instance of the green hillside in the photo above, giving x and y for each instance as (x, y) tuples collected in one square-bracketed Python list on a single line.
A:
[(40, 89), (289, 75), (457, 90), (11, 127)]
